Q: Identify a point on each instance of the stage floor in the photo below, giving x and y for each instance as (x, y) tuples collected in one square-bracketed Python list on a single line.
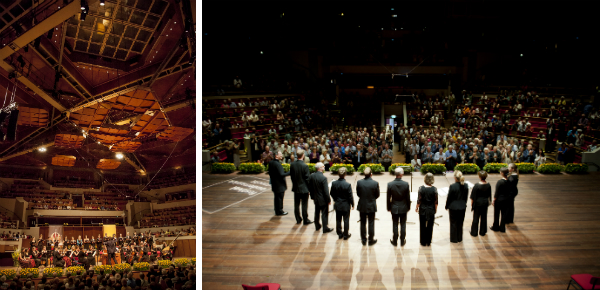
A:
[(555, 235)]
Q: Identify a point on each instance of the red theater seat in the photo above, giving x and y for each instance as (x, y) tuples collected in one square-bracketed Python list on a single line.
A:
[(585, 281)]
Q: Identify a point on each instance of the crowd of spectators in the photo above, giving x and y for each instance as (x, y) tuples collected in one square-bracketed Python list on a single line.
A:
[(180, 195), (75, 182), (175, 216), (170, 180)]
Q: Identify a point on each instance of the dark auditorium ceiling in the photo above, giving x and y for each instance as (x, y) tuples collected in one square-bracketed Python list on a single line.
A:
[(127, 74)]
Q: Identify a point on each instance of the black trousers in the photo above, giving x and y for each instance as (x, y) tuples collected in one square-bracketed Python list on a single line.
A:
[(402, 218), (363, 225), (111, 256), (301, 197), (323, 211), (479, 213), (500, 208), (457, 219), (338, 225), (278, 201), (426, 230), (386, 165), (510, 211)]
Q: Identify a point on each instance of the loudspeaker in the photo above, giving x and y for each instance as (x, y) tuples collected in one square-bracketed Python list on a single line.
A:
[(11, 132), (3, 116)]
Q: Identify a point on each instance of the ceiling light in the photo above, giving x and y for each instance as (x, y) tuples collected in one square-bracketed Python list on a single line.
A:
[(42, 149), (101, 2), (83, 4), (82, 131), (119, 156)]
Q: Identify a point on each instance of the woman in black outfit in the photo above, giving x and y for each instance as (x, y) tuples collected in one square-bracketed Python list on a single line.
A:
[(427, 207), (456, 204), (501, 198), (513, 178), (91, 260), (481, 198)]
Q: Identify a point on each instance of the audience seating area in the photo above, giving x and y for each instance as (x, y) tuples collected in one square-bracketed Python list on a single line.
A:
[(6, 222), (181, 195), (21, 174), (48, 199), (116, 179), (75, 183), (172, 180), (176, 216), (104, 201)]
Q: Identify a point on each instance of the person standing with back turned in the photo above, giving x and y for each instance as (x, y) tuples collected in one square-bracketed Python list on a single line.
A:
[(513, 178), (300, 174), (319, 193), (341, 192), (398, 203), (367, 190), (278, 184), (456, 204), (501, 198)]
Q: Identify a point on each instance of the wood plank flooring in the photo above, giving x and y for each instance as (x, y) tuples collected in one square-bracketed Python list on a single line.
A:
[(556, 234)]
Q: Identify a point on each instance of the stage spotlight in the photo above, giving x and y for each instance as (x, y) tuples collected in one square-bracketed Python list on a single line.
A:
[(101, 2), (120, 156), (42, 149)]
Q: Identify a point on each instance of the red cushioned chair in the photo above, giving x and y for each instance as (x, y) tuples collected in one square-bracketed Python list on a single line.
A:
[(585, 281), (262, 286)]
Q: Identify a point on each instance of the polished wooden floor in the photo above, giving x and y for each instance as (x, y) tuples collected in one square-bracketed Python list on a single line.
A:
[(556, 234)]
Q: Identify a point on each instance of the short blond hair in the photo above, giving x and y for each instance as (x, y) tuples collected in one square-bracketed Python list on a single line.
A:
[(429, 180)]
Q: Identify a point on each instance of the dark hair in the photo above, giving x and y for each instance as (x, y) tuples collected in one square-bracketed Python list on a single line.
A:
[(504, 171), (482, 175)]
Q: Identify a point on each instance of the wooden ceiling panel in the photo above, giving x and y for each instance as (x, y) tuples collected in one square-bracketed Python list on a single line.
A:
[(64, 160), (109, 139), (174, 134), (126, 146), (32, 117), (108, 164), (68, 141)]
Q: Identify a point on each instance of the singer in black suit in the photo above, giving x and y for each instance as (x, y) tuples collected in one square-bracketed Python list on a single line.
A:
[(299, 175), (513, 178), (501, 199), (398, 203), (456, 204), (367, 190), (319, 193), (111, 248), (278, 184), (481, 198), (341, 192)]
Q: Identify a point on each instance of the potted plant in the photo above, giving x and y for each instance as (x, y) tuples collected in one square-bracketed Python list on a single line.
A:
[(494, 167), (221, 167), (335, 168), (434, 168), (102, 268), (120, 268), (181, 263), (407, 167), (143, 266), (549, 168), (15, 257), (194, 261), (574, 168), (164, 264), (375, 168), (467, 168), (53, 272), (9, 273)]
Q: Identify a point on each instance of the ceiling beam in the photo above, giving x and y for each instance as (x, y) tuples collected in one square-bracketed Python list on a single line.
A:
[(28, 150), (167, 109), (33, 135), (51, 21)]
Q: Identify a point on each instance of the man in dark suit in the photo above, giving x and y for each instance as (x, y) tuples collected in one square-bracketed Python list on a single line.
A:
[(111, 249), (358, 157), (341, 192), (278, 184), (299, 174), (368, 191), (319, 193), (398, 203)]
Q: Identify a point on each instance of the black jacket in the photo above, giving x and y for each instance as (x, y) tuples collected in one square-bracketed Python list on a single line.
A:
[(277, 176), (368, 191), (457, 196), (341, 192), (503, 190), (398, 196), (319, 190), (299, 174), (514, 180), (110, 246)]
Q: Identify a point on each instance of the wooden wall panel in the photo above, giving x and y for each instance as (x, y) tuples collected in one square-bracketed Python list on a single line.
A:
[(185, 248), (44, 232), (25, 243), (121, 231), (92, 232)]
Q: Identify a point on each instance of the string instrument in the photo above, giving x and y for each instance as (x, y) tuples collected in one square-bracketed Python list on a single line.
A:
[(168, 248)]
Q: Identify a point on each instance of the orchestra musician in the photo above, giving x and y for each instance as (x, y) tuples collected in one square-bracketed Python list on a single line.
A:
[(44, 256), (25, 259), (66, 258), (99, 242), (86, 242), (90, 257), (37, 256), (79, 241), (57, 258)]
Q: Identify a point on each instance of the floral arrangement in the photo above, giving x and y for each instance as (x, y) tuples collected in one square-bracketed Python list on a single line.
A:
[(53, 272), (143, 266), (525, 167), (9, 273), (102, 268), (494, 167), (311, 167), (29, 273), (407, 167), (164, 263), (119, 268), (286, 167), (252, 167), (75, 270), (434, 168), (550, 168), (335, 168), (375, 168), (194, 261), (576, 168), (15, 257), (467, 168), (181, 263), (222, 167)]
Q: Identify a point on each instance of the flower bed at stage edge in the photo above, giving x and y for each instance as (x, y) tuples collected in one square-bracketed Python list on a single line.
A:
[(375, 168), (434, 168), (576, 168), (286, 167), (222, 168), (253, 167), (336, 167), (549, 168), (407, 167), (467, 168), (525, 167), (29, 273), (494, 167)]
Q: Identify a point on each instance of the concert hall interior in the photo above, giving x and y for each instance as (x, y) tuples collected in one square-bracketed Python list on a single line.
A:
[(98, 144), (400, 145)]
